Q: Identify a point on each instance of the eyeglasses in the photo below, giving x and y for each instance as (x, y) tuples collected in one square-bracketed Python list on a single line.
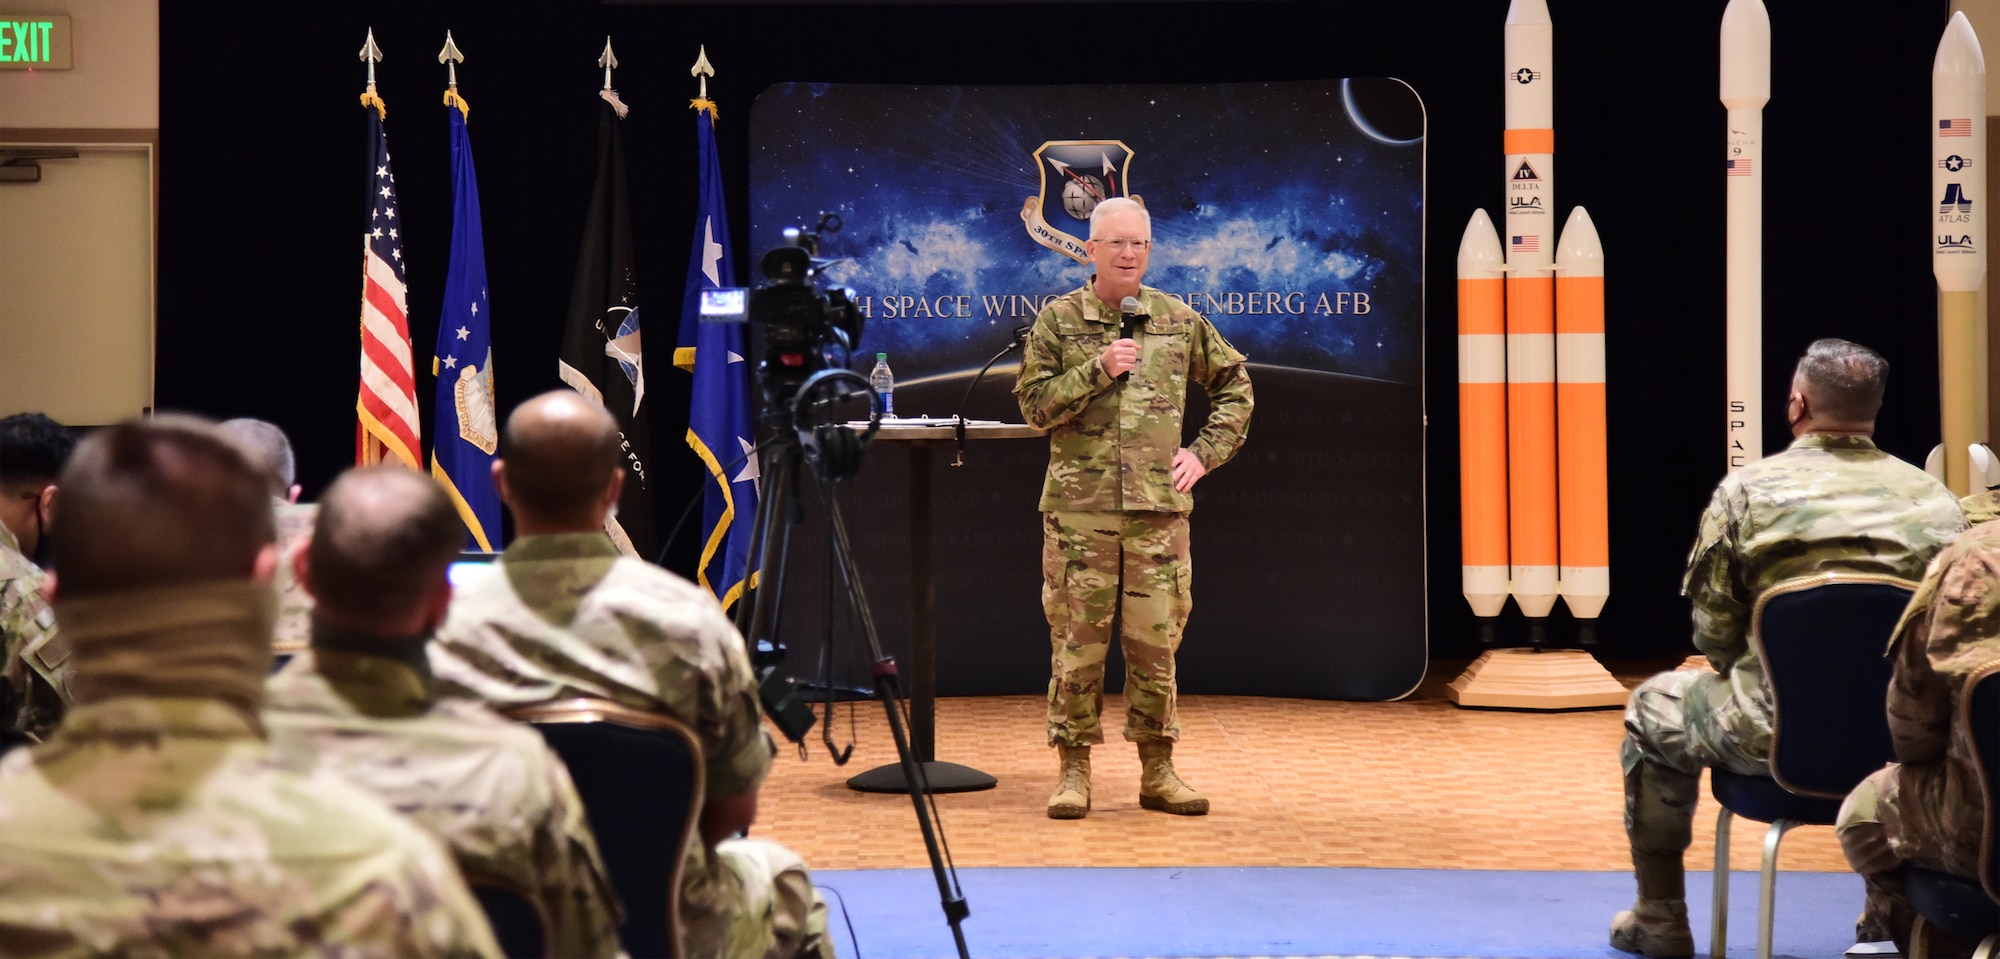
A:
[(1119, 244)]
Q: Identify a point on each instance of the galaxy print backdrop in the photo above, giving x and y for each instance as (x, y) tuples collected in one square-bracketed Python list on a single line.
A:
[(1291, 214)]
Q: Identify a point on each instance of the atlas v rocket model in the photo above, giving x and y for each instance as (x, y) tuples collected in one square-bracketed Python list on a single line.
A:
[(1958, 253), (1746, 87), (1531, 370)]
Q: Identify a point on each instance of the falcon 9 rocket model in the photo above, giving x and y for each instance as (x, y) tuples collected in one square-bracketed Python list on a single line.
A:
[(1482, 419), (1746, 87), (1958, 242), (1531, 321)]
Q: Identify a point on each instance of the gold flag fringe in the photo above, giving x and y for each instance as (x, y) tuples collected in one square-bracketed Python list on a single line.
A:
[(700, 104), (369, 99), (452, 99)]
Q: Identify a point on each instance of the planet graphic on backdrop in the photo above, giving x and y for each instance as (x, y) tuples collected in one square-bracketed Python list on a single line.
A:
[(1081, 195)]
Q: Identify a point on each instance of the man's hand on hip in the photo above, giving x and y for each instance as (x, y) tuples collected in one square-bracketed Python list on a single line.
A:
[(1187, 469)]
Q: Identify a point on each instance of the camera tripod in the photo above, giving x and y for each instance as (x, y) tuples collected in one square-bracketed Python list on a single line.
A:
[(837, 452)]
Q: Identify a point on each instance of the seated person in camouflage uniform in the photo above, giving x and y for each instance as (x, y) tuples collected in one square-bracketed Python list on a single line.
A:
[(1830, 502), (154, 822), (33, 449), (360, 704), (271, 451), (1926, 808), (563, 614)]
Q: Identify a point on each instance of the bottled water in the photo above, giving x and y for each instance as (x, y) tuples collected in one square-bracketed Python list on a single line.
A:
[(884, 384)]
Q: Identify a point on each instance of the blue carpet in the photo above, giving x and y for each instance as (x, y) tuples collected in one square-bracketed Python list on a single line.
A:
[(1222, 911)]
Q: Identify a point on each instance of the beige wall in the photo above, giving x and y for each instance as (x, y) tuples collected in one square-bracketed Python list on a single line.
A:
[(114, 82), (77, 249)]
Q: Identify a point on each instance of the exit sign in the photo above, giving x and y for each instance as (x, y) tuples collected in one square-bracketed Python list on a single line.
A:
[(33, 42)]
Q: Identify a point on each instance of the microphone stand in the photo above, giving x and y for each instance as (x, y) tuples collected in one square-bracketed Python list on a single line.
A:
[(1020, 339)]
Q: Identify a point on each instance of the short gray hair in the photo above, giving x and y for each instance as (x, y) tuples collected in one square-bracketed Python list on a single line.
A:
[(1843, 380), (268, 448), (1115, 204)]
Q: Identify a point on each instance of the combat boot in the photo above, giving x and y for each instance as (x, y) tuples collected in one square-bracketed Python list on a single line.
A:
[(1657, 924), (1072, 796), (1161, 788), (1657, 928)]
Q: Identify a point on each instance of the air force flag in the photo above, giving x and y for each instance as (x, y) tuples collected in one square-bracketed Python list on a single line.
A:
[(467, 431)]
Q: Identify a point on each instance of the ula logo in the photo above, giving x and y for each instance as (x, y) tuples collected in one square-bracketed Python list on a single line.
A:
[(1955, 243), (1524, 204)]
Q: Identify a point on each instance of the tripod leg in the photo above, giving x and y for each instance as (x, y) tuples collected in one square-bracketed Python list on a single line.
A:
[(888, 690)]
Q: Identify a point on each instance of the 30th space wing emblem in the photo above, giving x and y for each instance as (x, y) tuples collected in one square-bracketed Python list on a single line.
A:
[(1076, 175)]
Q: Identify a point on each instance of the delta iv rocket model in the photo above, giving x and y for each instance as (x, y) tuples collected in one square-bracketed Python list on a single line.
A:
[(1482, 419), (1532, 467), (1746, 87), (1958, 253), (1531, 319)]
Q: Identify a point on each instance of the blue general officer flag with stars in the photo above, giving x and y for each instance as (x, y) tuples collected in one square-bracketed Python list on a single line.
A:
[(467, 432), (720, 425)]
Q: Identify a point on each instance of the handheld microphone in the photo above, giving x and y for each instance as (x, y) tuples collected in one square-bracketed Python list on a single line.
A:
[(1128, 323)]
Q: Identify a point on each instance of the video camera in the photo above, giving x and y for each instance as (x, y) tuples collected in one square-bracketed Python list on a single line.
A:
[(805, 331)]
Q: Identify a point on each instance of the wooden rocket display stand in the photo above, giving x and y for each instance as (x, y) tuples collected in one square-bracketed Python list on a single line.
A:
[(1532, 437)]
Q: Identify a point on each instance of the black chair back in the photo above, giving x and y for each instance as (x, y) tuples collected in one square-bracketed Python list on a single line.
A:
[(1821, 640), (1982, 717), (516, 923), (640, 776)]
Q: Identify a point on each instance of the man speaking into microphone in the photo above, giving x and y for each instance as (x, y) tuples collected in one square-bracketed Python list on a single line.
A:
[(1105, 372)]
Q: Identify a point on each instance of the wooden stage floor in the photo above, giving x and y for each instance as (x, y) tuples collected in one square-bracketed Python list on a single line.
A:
[(1411, 784)]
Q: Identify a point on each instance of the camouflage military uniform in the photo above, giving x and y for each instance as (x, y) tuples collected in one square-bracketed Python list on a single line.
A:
[(1927, 809), (155, 823), (490, 788), (1828, 503), (294, 629), (29, 703), (566, 615), (1981, 507), (1115, 531)]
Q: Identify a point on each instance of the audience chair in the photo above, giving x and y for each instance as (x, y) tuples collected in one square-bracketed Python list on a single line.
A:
[(640, 776), (1821, 639), (1968, 909), (517, 922)]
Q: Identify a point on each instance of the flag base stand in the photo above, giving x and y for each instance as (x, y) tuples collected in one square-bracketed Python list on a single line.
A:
[(1537, 680)]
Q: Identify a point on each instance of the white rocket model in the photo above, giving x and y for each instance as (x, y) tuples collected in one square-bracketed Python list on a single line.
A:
[(1531, 315), (1746, 87), (1958, 252)]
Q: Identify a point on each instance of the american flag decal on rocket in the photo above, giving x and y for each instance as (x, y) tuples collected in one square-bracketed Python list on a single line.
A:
[(1955, 128), (1739, 167), (1526, 244)]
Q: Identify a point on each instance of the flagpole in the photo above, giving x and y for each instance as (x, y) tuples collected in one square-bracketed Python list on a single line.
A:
[(385, 405), (466, 435)]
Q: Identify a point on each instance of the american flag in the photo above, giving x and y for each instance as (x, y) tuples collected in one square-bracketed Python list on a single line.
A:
[(1739, 166), (1955, 128), (386, 405), (1526, 244)]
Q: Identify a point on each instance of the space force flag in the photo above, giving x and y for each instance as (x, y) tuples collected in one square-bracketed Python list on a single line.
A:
[(467, 432), (385, 407), (601, 354), (720, 424)]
